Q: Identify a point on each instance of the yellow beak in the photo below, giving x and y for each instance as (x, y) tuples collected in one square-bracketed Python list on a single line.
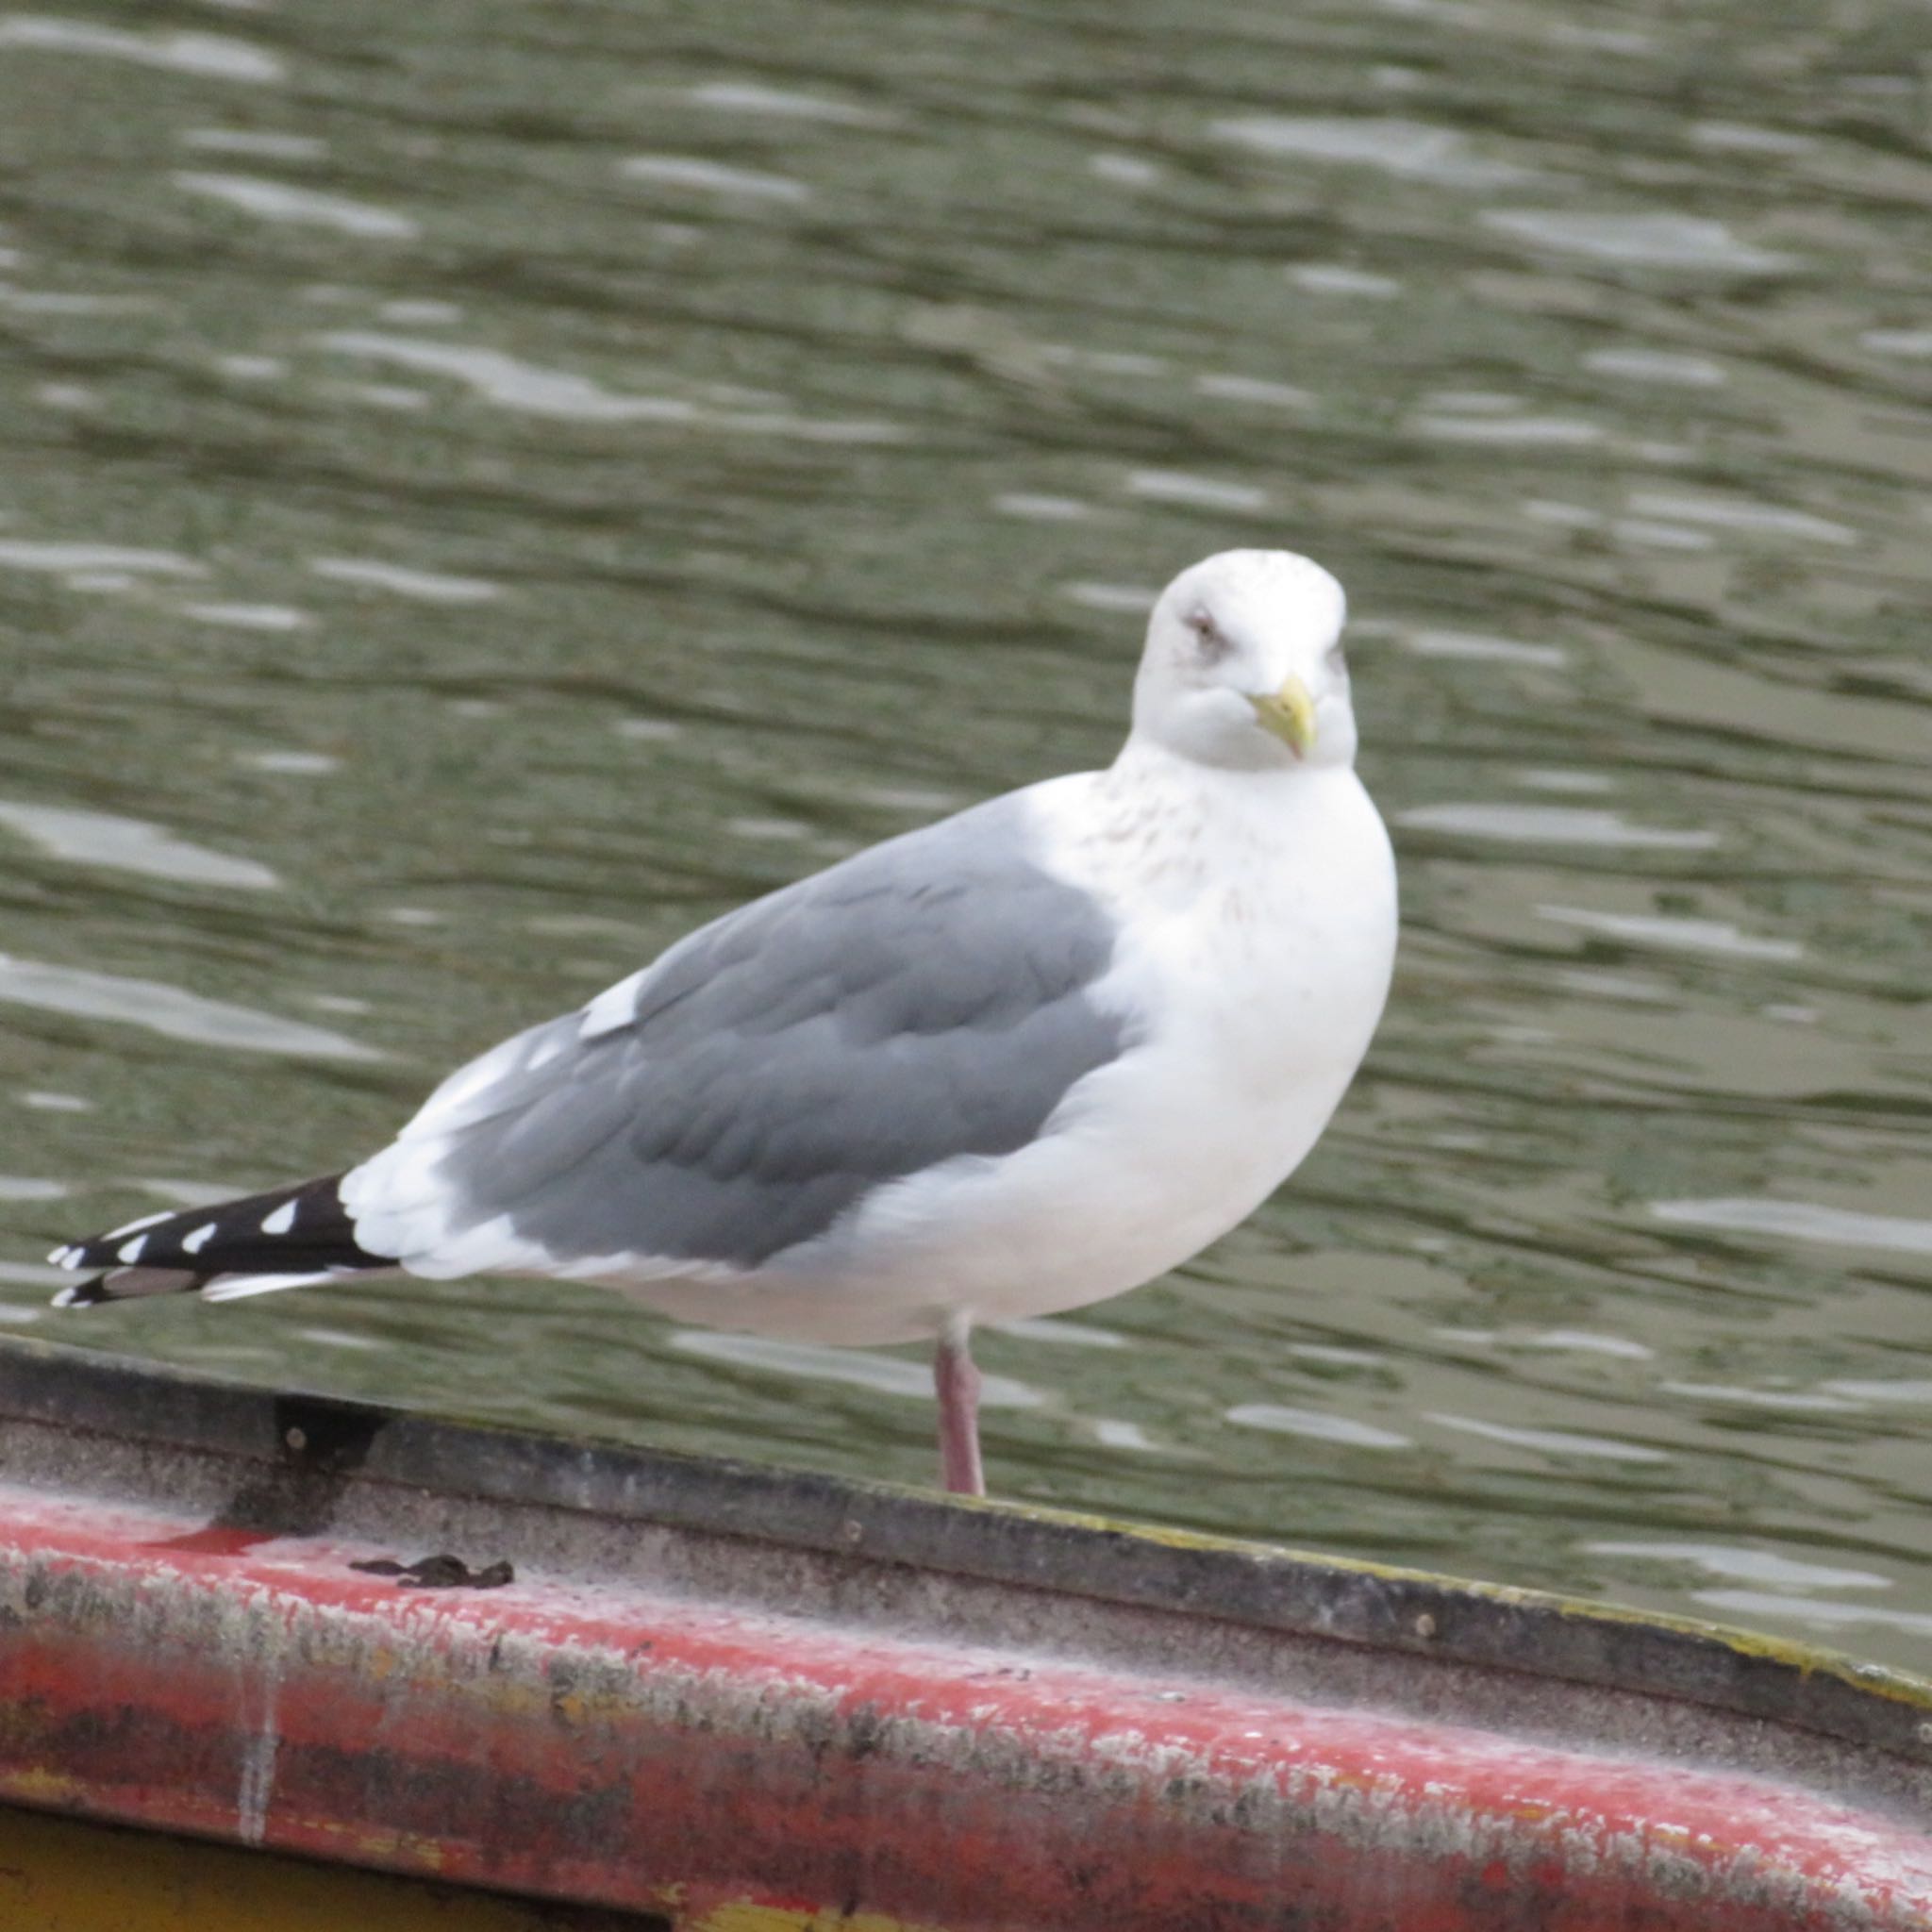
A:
[(1289, 713)]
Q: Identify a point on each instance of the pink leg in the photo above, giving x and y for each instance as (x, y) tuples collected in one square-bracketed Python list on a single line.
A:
[(956, 1382)]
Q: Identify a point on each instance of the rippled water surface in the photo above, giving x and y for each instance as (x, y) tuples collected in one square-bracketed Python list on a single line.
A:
[(488, 487)]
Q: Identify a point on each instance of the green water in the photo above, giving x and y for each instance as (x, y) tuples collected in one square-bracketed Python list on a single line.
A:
[(486, 486)]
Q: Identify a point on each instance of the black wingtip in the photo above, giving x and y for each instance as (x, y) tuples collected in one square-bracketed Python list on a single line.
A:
[(84, 1294), (297, 1229)]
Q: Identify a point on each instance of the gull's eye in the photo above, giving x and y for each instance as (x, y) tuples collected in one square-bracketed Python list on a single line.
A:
[(1209, 637)]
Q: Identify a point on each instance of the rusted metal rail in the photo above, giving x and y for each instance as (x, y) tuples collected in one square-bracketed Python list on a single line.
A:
[(741, 1699)]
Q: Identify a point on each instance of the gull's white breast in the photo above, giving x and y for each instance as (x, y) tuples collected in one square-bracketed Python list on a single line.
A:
[(1256, 920)]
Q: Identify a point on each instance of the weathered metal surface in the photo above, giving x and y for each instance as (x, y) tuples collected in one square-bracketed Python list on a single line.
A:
[(712, 1692)]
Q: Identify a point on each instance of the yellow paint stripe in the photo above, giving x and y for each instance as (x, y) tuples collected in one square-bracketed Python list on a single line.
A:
[(744, 1915), (62, 1874)]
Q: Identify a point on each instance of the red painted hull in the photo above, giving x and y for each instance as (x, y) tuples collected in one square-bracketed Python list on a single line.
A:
[(641, 1743)]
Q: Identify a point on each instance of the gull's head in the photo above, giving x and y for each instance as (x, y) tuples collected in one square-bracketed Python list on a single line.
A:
[(1243, 666)]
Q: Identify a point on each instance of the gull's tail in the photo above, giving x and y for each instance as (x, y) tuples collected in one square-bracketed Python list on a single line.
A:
[(287, 1237)]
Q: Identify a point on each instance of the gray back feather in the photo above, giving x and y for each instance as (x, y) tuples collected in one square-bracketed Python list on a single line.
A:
[(923, 1000)]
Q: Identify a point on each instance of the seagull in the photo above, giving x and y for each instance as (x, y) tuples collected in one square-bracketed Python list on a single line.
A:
[(1007, 1065)]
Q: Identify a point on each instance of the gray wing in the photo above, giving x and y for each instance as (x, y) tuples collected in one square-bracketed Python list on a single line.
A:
[(925, 999)]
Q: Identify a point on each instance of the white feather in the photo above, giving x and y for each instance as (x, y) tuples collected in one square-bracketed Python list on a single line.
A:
[(234, 1288)]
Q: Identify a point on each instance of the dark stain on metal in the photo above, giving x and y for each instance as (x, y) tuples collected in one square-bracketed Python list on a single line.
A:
[(443, 1572), (317, 1445), (864, 1731)]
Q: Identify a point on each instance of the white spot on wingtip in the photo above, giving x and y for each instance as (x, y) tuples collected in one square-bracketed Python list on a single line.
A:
[(130, 1251), (281, 1221), (193, 1244), (64, 1256), (68, 1298)]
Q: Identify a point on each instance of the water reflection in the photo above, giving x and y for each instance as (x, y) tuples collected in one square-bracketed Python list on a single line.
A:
[(1802, 1221), (1519, 431), (1652, 241), (1552, 1442), (431, 587), (278, 201), (775, 103), (214, 57), (170, 1010), (1337, 278), (250, 616), (82, 560), (1768, 519), (1658, 365), (1316, 1425), (1846, 1623), (1747, 1565), (1674, 934), (260, 143), (713, 177), (1203, 493), (300, 765), (102, 838), (1553, 824), (510, 381), (15, 1187), (1440, 156), (1474, 648)]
